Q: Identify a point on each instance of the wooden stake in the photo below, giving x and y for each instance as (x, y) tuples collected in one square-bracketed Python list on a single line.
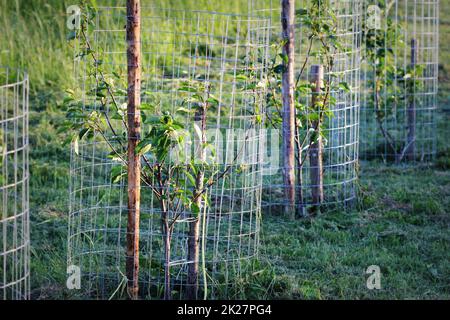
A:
[(288, 21), (134, 128), (411, 139), (316, 151)]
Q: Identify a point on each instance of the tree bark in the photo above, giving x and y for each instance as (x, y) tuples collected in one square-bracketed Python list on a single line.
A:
[(194, 227), (288, 25), (167, 248), (411, 139), (167, 233), (134, 128), (301, 209), (316, 151)]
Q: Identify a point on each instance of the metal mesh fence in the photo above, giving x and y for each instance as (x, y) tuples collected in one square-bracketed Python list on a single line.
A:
[(398, 117), (190, 60), (14, 192), (337, 50)]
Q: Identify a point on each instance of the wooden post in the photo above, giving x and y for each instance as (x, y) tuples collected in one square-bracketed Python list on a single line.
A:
[(411, 139), (288, 25), (134, 128), (316, 150)]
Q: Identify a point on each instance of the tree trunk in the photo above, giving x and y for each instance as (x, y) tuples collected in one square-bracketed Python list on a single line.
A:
[(411, 139), (194, 227), (288, 24), (316, 150), (134, 166), (167, 233), (167, 285), (301, 210), (194, 254)]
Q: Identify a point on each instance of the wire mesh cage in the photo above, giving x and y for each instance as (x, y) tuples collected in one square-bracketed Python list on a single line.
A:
[(398, 117), (14, 192), (327, 100), (201, 73)]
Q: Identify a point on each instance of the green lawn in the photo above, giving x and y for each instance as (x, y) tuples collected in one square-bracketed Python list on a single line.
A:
[(400, 223)]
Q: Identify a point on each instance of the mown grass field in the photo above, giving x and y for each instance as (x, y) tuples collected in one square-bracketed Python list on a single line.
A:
[(401, 221)]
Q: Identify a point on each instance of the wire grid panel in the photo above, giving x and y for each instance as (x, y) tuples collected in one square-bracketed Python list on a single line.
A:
[(14, 191), (340, 129), (398, 115), (224, 53)]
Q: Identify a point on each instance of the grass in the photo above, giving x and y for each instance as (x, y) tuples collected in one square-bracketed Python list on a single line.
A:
[(401, 222), (401, 225)]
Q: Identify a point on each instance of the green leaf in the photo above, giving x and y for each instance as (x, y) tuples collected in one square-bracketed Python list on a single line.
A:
[(143, 117), (198, 131), (83, 133), (301, 12), (284, 57), (187, 89), (117, 173), (184, 110), (143, 147), (344, 86), (147, 106), (76, 147), (190, 177), (122, 109), (100, 94), (279, 69), (213, 101), (193, 168), (195, 209), (67, 99), (114, 156), (407, 76), (305, 88), (241, 77), (313, 117)]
